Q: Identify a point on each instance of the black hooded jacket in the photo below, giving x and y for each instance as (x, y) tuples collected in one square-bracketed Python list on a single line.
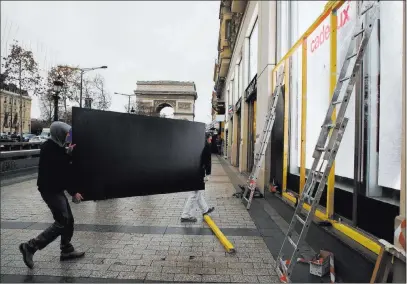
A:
[(54, 171), (206, 159)]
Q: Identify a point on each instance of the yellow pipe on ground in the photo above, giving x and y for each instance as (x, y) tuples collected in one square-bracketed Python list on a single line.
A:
[(343, 228), (218, 233)]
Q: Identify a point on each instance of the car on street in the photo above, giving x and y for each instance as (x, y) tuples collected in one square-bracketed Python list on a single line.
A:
[(15, 137), (4, 137), (46, 132), (38, 139), (27, 137)]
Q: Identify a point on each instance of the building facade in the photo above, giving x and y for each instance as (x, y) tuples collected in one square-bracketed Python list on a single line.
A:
[(278, 35), (236, 78), (10, 117), (156, 95)]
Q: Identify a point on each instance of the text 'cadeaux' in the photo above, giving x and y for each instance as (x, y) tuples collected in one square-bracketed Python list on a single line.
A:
[(323, 35)]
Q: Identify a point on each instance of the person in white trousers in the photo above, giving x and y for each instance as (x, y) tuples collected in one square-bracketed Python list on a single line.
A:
[(196, 197)]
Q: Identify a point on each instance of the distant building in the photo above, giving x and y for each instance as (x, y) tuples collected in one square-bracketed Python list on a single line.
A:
[(10, 101), (153, 96)]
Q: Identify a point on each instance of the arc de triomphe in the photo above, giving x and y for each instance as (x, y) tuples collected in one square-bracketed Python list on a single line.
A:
[(181, 96)]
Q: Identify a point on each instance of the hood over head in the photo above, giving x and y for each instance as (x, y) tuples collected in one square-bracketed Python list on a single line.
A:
[(58, 131)]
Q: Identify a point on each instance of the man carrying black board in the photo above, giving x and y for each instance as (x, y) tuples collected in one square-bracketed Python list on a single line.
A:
[(53, 179), (196, 197)]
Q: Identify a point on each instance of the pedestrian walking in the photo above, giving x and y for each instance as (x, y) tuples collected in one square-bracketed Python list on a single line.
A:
[(53, 179), (196, 197)]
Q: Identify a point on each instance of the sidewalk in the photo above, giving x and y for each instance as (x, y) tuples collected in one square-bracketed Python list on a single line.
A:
[(139, 239)]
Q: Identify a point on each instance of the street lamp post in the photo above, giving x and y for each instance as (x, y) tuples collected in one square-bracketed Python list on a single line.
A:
[(88, 102), (83, 70), (57, 89), (128, 108)]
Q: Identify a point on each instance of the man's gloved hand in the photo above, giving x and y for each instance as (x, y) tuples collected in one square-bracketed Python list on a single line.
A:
[(70, 149), (206, 179), (77, 198)]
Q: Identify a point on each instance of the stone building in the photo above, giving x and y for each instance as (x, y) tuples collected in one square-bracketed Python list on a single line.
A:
[(156, 95), (369, 169), (10, 117)]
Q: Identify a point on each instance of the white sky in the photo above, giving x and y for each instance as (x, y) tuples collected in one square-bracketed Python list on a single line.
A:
[(136, 40)]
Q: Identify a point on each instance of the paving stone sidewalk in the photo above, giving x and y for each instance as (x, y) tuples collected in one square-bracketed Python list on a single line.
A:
[(139, 239)]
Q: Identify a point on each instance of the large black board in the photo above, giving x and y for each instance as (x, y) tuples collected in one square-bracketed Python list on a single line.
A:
[(122, 155)]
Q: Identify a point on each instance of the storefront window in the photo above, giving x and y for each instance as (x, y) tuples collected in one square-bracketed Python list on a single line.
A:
[(381, 87)]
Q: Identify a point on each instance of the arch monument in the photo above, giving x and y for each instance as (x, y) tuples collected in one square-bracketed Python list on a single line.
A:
[(156, 95)]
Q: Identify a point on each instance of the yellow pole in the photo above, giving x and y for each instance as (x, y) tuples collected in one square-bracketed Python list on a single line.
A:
[(404, 126), (332, 84), (303, 115), (328, 8), (218, 233), (286, 115)]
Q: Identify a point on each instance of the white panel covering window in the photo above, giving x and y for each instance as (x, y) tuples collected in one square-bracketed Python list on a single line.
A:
[(292, 23), (236, 86), (391, 52), (230, 93), (240, 78), (253, 48), (318, 82)]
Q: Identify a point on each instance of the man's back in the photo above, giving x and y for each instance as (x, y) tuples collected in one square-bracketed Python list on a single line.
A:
[(53, 167)]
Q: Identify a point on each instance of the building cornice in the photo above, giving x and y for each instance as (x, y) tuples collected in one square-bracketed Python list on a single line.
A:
[(15, 94), (170, 93), (173, 83)]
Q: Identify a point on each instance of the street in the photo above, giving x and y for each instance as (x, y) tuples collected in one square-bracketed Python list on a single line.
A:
[(139, 239)]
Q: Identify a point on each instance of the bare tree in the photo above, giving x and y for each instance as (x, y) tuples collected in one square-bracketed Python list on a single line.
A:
[(102, 98), (142, 109), (95, 89), (46, 106), (21, 69)]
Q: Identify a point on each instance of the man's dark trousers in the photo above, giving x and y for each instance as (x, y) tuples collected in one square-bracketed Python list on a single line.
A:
[(63, 225)]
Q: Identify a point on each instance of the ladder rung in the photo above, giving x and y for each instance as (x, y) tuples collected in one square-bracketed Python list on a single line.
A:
[(318, 174), (321, 149), (350, 57), (358, 33), (367, 9), (336, 102), (318, 179), (330, 125), (300, 219), (344, 79), (310, 198), (292, 242)]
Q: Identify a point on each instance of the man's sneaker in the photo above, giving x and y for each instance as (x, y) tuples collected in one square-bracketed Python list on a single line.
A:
[(28, 254), (209, 210), (189, 219), (71, 255)]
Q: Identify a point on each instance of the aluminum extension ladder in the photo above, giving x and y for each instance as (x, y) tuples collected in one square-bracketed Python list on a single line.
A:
[(264, 140), (328, 145)]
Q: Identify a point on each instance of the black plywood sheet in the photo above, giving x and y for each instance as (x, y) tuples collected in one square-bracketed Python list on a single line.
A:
[(122, 155)]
